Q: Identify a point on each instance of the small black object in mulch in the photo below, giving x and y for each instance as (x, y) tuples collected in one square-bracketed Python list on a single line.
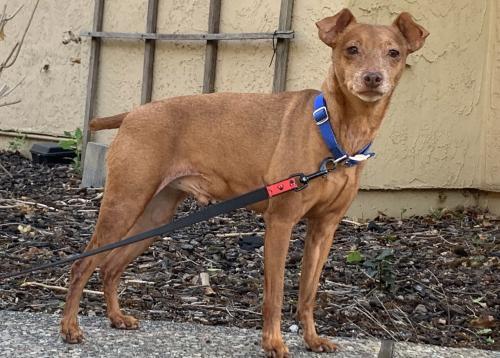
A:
[(373, 226), (460, 251), (250, 243), (51, 153)]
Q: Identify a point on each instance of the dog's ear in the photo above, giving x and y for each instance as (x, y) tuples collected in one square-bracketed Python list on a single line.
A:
[(413, 33), (331, 27)]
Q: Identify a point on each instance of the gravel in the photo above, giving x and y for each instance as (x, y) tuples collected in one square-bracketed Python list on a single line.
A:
[(36, 335)]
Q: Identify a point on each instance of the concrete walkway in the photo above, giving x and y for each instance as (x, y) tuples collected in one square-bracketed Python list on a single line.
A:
[(36, 335)]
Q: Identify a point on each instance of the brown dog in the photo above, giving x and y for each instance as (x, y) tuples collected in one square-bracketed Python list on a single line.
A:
[(217, 146)]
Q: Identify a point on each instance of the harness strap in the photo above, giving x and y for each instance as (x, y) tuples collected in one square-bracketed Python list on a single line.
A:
[(320, 115)]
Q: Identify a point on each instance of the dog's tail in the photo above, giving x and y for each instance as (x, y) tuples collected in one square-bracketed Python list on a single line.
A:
[(112, 122)]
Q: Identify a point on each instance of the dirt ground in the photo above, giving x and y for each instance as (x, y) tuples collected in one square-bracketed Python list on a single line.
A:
[(431, 279)]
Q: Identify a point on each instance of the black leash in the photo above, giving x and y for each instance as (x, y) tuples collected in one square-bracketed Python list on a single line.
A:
[(296, 182)]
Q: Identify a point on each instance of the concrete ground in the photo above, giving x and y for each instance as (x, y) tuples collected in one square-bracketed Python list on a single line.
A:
[(36, 335)]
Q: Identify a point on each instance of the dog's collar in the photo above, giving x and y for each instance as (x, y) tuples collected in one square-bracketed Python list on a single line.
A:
[(320, 115)]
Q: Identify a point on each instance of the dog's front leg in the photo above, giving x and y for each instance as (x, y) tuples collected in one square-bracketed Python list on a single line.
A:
[(275, 250), (317, 246)]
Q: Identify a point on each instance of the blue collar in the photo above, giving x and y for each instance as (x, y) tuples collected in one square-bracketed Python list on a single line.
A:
[(320, 115)]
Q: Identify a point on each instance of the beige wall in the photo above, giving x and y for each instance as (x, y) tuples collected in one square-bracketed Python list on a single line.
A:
[(53, 100), (432, 136), (491, 128), (441, 131)]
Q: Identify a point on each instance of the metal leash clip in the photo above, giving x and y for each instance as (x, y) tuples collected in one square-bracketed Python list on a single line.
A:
[(327, 165)]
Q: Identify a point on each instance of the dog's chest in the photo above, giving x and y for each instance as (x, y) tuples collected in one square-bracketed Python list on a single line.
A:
[(337, 190)]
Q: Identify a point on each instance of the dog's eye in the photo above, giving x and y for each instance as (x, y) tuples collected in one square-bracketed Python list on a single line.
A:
[(352, 50), (394, 53)]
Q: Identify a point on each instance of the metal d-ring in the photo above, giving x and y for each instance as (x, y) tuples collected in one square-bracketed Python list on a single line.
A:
[(327, 165)]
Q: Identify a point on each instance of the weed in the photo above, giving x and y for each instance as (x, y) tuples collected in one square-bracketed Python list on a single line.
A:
[(17, 143), (74, 142), (381, 267), (402, 213), (440, 214), (354, 257)]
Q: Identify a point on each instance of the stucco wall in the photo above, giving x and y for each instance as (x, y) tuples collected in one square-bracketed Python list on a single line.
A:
[(441, 130), (52, 100), (491, 128), (431, 136)]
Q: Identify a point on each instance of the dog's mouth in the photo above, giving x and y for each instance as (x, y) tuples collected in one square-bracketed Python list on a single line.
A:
[(370, 95)]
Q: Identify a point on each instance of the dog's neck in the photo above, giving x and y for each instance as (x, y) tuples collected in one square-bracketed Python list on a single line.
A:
[(355, 122)]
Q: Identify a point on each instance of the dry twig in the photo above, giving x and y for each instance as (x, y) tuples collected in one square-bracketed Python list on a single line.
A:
[(5, 104), (13, 54), (355, 223), (440, 285), (4, 18), (22, 202), (57, 288), (394, 323), (238, 234), (360, 309), (217, 308), (6, 171)]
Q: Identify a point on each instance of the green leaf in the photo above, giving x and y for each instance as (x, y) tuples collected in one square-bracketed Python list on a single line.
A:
[(354, 257), (78, 134), (67, 144), (385, 254), (370, 264), (371, 272), (484, 331)]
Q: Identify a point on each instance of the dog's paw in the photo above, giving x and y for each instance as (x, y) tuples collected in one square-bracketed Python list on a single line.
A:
[(275, 349), (319, 345), (124, 322), (277, 353), (71, 333)]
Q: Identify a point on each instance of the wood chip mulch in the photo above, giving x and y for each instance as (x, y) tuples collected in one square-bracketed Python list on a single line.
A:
[(430, 279)]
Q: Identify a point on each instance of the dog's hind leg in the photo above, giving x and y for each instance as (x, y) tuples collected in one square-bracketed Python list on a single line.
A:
[(131, 184), (159, 211)]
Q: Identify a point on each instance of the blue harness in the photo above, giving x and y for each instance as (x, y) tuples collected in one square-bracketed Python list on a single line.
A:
[(320, 115)]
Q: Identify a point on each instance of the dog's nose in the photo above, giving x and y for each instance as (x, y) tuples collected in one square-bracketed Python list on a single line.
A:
[(372, 79)]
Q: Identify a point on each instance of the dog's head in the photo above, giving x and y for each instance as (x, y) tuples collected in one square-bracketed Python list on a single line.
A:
[(369, 59)]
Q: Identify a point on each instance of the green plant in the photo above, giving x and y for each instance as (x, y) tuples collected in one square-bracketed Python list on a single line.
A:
[(74, 142), (354, 257), (403, 211), (486, 333), (438, 214), (381, 268), (17, 143)]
